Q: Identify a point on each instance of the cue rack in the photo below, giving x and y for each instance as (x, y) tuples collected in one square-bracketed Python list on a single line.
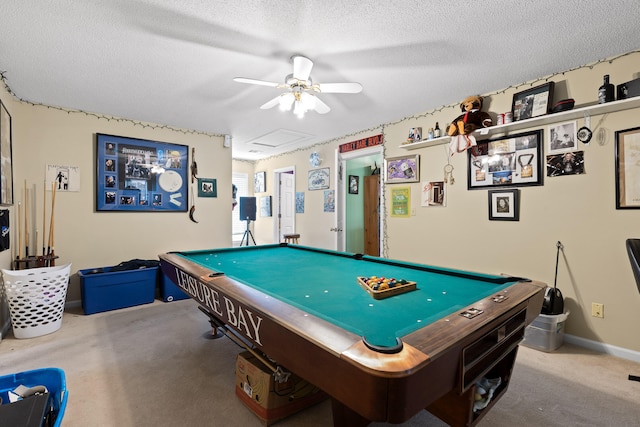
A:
[(28, 256)]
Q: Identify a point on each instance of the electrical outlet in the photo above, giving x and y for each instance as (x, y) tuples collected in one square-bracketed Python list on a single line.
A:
[(597, 310)]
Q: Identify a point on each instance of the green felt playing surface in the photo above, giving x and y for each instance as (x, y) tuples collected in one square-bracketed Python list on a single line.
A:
[(324, 283)]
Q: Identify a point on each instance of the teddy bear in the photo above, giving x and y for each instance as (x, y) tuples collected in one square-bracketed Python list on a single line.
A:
[(464, 125)]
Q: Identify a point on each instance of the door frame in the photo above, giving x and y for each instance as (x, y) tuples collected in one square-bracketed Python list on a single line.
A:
[(341, 196), (276, 200)]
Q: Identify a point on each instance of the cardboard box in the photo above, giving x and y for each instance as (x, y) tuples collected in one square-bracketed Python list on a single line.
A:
[(103, 290), (169, 291), (546, 332), (268, 399)]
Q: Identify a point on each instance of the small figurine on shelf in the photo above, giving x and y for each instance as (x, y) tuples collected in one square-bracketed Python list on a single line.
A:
[(463, 126)]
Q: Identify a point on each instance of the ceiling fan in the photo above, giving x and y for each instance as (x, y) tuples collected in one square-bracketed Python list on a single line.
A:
[(301, 91)]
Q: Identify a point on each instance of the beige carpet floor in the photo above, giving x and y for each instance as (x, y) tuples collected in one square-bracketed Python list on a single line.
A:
[(153, 365)]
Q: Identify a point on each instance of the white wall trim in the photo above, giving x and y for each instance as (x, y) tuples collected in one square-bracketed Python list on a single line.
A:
[(603, 348)]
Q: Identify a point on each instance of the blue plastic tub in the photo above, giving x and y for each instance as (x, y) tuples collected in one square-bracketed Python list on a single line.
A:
[(170, 291), (102, 289), (52, 378)]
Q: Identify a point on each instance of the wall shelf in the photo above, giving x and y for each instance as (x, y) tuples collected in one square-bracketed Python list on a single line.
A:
[(576, 113)]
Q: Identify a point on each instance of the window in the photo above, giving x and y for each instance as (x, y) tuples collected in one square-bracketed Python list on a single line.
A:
[(241, 181)]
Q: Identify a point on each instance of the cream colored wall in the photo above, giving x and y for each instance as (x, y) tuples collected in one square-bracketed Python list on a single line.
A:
[(314, 224), (577, 210), (48, 136)]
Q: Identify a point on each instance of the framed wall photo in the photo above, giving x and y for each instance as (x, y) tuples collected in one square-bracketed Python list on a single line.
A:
[(532, 102), (403, 169), (318, 179), (6, 157), (265, 206), (627, 152), (260, 182), (140, 175), (354, 184), (562, 137), (207, 187), (508, 161), (504, 205)]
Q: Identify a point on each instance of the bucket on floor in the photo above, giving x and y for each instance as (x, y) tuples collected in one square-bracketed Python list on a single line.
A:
[(546, 332), (36, 298)]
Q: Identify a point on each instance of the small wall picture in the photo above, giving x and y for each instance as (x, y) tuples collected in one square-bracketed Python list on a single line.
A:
[(504, 205), (403, 169), (433, 194), (562, 137), (207, 187), (265, 206), (260, 182), (300, 202), (329, 201), (565, 164), (354, 184)]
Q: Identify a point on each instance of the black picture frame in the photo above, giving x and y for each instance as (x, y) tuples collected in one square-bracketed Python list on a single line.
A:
[(504, 205), (627, 151), (507, 161), (6, 152), (532, 102), (354, 184), (140, 175)]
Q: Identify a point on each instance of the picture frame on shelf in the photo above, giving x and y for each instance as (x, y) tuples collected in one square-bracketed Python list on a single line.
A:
[(143, 175), (260, 182), (504, 205), (627, 151), (507, 161), (403, 169), (532, 102)]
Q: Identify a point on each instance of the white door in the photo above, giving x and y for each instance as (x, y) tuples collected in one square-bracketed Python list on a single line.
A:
[(287, 204)]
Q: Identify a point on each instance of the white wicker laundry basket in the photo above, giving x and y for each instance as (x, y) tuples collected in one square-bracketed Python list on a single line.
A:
[(36, 299)]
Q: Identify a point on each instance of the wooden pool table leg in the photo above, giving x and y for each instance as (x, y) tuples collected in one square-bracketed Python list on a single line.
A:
[(343, 416)]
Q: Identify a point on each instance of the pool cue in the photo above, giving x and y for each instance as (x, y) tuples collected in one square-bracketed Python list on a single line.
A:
[(19, 256), (51, 251), (26, 219), (44, 214)]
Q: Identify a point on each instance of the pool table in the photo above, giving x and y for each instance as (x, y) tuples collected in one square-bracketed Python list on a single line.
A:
[(378, 359)]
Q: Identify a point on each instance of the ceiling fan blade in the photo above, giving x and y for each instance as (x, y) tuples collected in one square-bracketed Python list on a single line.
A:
[(255, 82), (321, 107), (302, 67), (270, 104), (340, 87)]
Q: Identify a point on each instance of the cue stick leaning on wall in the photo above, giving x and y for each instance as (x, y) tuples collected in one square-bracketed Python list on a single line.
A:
[(50, 248)]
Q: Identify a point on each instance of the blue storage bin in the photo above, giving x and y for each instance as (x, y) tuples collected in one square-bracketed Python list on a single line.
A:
[(103, 289), (170, 291), (52, 378)]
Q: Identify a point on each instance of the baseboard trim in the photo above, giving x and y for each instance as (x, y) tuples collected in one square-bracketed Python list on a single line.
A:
[(73, 304), (613, 350)]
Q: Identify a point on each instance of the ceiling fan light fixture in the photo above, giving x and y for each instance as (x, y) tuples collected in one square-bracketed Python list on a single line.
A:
[(308, 101), (286, 101), (298, 109)]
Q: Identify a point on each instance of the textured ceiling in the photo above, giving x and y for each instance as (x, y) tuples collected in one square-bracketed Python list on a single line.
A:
[(173, 62)]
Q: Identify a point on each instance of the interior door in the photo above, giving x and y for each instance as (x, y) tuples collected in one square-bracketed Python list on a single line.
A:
[(287, 204)]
